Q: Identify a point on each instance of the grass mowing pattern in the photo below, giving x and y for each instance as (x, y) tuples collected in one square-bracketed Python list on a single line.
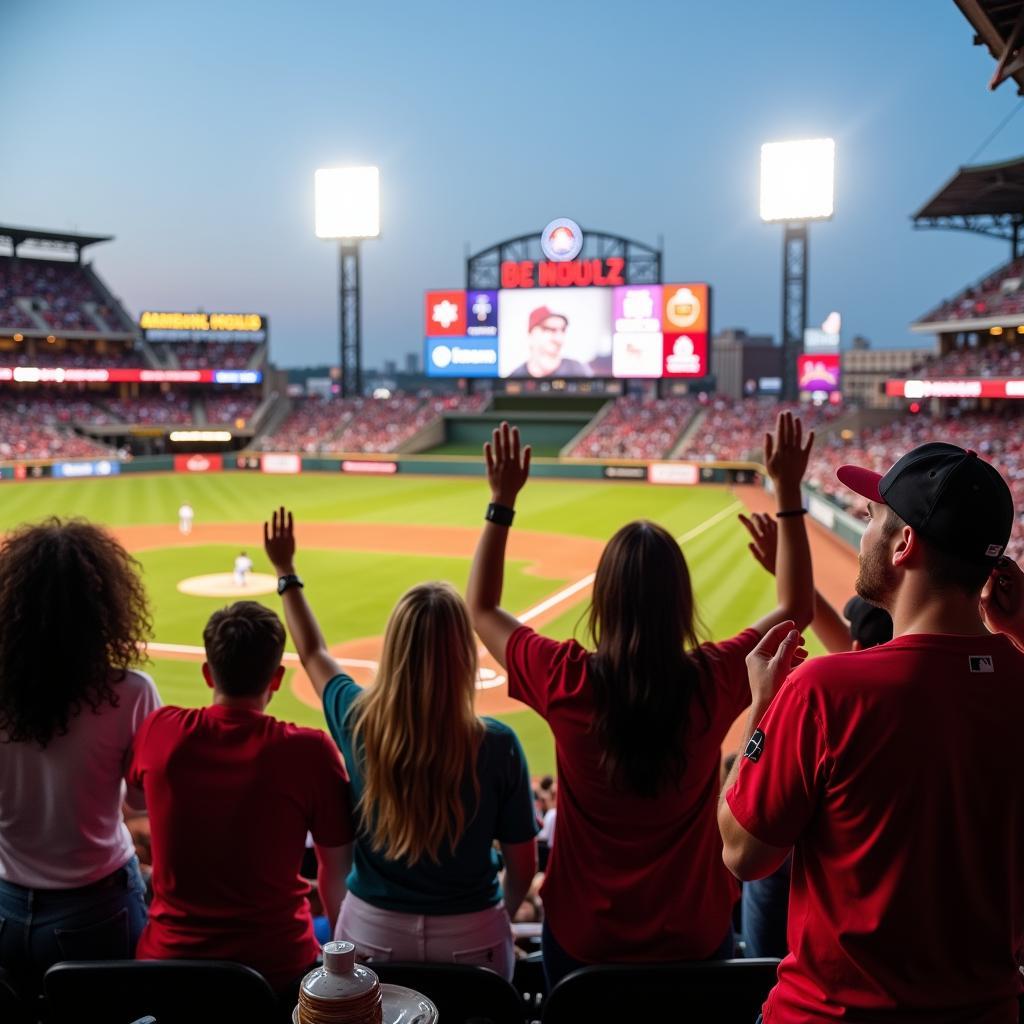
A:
[(353, 592)]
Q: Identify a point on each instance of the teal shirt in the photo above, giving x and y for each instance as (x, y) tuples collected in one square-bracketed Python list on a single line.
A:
[(464, 880)]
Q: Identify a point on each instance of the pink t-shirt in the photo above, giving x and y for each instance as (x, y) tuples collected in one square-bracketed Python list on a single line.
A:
[(60, 805)]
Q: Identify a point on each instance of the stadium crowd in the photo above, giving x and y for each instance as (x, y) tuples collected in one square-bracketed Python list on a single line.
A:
[(39, 428), (362, 424), (56, 291), (995, 360), (47, 355), (165, 407), (201, 355), (230, 406), (733, 429), (1000, 439), (636, 428), (998, 294), (410, 796)]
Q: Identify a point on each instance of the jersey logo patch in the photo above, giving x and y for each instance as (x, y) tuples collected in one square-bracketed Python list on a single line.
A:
[(982, 662), (755, 745)]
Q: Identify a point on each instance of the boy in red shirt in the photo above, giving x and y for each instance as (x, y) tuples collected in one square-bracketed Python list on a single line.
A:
[(890, 771), (231, 794)]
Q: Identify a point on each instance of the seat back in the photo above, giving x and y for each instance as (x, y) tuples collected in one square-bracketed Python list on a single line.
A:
[(724, 991), (13, 1006), (461, 993), (173, 991)]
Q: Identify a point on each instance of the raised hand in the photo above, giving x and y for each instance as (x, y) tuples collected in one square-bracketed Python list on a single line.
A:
[(279, 541), (1002, 601), (785, 453), (764, 533), (768, 664), (508, 464)]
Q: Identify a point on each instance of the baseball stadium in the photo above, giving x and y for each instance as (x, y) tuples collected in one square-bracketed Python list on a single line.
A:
[(180, 432)]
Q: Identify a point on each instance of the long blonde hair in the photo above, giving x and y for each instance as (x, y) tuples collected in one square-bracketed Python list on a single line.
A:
[(415, 730)]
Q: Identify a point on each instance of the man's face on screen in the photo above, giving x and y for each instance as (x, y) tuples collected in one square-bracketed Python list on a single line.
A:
[(546, 342)]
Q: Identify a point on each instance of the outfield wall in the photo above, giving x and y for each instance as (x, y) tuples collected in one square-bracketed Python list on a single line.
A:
[(670, 473)]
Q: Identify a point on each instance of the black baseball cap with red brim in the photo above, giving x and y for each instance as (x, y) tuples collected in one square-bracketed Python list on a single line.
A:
[(954, 499)]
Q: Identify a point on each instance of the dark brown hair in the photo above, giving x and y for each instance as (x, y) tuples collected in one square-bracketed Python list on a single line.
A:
[(648, 666), (73, 617), (244, 643)]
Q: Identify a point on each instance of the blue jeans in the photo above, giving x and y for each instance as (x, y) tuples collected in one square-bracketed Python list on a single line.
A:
[(766, 912), (558, 963), (38, 927)]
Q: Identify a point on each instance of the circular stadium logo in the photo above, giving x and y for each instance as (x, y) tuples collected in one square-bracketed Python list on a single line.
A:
[(561, 240), (441, 357)]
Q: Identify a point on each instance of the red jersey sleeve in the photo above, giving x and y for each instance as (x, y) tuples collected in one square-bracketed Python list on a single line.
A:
[(727, 661), (785, 767), (331, 817), (537, 666)]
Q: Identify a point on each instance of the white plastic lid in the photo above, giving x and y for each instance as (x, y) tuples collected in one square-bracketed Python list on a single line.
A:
[(339, 957)]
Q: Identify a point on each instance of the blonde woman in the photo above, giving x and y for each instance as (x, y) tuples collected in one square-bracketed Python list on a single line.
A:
[(434, 786)]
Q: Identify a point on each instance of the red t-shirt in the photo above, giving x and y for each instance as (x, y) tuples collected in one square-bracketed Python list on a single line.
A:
[(231, 794), (894, 773), (632, 878)]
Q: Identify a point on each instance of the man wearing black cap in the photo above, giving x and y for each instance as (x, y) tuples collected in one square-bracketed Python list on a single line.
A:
[(891, 772)]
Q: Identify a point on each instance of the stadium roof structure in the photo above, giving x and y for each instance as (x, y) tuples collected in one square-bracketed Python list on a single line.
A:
[(987, 199), (54, 241), (999, 25)]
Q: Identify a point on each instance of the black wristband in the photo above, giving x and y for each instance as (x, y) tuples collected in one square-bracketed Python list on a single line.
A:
[(791, 512), (287, 581), (500, 514)]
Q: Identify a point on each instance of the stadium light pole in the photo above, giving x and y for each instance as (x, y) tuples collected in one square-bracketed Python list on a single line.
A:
[(797, 186), (347, 211)]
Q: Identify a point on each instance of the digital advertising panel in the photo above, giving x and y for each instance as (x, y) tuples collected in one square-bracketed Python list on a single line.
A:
[(626, 331), (818, 372), (560, 332)]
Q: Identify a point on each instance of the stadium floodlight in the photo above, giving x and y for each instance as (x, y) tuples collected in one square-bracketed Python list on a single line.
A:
[(797, 186), (347, 211), (797, 180), (347, 202)]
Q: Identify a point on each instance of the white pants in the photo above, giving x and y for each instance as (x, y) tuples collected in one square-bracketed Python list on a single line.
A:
[(239, 578), (481, 939)]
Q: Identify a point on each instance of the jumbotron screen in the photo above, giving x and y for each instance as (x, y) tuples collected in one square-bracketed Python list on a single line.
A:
[(628, 331)]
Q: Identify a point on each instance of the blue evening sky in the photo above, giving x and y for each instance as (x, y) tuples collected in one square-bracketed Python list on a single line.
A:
[(191, 130)]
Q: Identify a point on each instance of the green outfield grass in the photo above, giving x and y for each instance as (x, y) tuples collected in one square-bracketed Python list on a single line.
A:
[(352, 591)]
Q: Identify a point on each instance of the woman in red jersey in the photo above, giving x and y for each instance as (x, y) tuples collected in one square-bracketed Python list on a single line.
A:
[(638, 721)]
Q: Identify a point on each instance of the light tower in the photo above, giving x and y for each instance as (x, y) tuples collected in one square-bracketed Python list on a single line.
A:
[(797, 186), (348, 210)]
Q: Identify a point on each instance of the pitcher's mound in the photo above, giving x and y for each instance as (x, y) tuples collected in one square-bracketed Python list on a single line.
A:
[(222, 584)]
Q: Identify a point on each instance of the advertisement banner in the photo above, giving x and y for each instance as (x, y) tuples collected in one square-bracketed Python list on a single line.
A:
[(198, 463), (461, 357), (818, 372), (625, 472), (445, 314), (482, 314), (686, 355), (637, 355), (685, 308), (676, 473), (280, 462), (637, 308), (369, 468), (991, 387), (124, 375), (73, 470)]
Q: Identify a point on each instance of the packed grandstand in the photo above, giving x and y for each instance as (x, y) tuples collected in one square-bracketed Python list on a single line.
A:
[(61, 316)]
